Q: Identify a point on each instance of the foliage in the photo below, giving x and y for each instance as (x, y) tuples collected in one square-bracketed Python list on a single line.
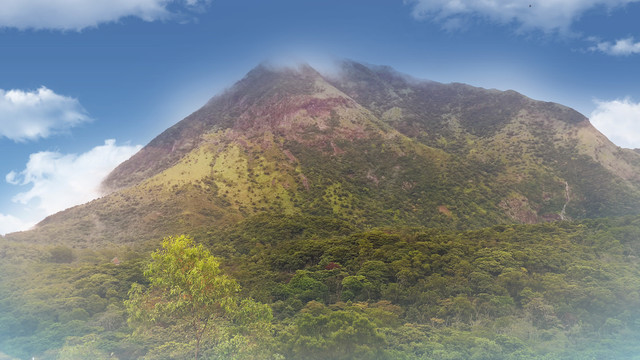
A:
[(188, 291), (549, 287), (565, 290), (61, 254), (370, 216), (320, 333)]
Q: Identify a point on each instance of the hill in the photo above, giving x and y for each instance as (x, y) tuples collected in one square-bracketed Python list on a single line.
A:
[(366, 145), (378, 216)]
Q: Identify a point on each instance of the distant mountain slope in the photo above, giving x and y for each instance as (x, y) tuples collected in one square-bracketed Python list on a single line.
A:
[(369, 146)]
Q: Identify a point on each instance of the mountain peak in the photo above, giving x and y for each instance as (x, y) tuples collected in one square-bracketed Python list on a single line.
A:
[(365, 144), (231, 108), (299, 104), (284, 100)]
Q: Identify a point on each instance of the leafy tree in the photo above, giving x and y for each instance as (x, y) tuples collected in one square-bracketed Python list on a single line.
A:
[(61, 254), (318, 332), (187, 289), (306, 288), (85, 348), (354, 286)]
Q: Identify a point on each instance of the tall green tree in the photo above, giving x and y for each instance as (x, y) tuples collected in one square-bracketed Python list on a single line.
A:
[(187, 290)]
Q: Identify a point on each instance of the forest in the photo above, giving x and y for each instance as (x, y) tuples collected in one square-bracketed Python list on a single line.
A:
[(314, 287)]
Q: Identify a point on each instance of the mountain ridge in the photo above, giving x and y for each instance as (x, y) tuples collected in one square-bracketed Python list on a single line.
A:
[(366, 144)]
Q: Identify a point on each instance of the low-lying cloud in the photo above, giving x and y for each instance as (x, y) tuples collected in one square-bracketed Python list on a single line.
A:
[(80, 14), (59, 181), (619, 120), (29, 115), (545, 15)]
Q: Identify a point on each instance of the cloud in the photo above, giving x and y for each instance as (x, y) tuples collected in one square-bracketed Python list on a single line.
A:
[(619, 120), (621, 47), (59, 181), (545, 15), (38, 114), (80, 14), (10, 223)]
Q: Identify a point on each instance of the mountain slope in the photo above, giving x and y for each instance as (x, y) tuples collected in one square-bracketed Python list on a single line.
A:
[(375, 214), (368, 146), (540, 146)]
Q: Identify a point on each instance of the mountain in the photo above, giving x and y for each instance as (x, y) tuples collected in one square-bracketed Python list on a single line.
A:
[(364, 144), (373, 215)]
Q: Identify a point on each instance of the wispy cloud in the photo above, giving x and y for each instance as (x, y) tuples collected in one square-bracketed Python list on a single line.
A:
[(80, 14), (619, 120), (29, 115), (622, 47), (545, 15), (10, 223), (59, 181)]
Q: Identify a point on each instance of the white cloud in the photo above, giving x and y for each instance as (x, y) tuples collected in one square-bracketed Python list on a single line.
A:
[(80, 14), (619, 120), (621, 47), (59, 181), (10, 223), (37, 114), (545, 15)]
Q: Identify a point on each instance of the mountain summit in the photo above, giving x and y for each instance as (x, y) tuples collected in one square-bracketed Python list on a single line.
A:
[(365, 144)]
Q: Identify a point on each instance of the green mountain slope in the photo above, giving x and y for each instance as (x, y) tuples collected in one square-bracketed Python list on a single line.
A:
[(367, 145), (379, 217), (539, 147)]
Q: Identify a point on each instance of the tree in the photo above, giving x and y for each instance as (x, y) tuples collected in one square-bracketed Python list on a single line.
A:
[(61, 255), (188, 290), (319, 333)]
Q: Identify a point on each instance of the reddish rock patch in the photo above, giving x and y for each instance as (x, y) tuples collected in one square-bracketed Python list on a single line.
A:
[(518, 209), (444, 210)]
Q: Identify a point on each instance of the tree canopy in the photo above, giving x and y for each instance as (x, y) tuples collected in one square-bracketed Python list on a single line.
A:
[(188, 292)]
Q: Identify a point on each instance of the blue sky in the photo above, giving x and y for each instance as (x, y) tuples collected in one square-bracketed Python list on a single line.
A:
[(85, 83)]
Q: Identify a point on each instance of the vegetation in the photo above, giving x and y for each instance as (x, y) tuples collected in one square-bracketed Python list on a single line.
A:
[(367, 217), (188, 295), (371, 147), (565, 290)]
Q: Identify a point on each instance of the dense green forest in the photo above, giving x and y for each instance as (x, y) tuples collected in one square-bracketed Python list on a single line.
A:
[(305, 287)]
